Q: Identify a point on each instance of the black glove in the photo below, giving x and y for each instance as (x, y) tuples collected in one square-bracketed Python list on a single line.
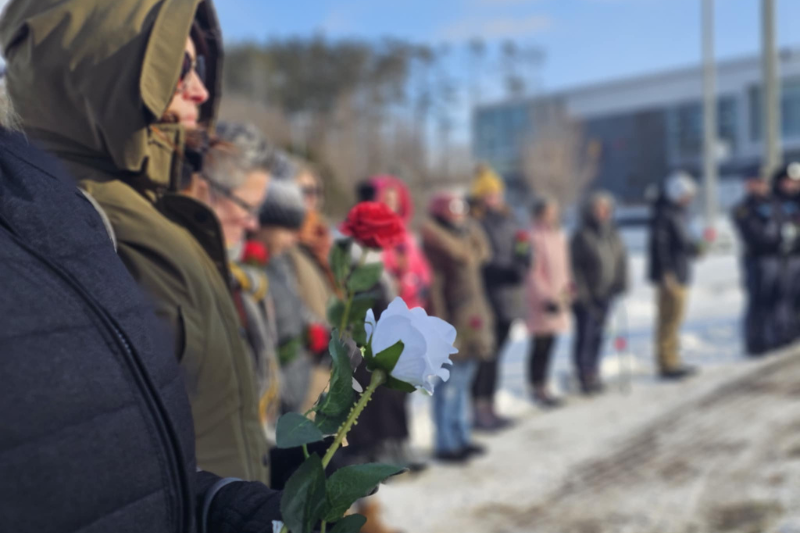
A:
[(284, 462)]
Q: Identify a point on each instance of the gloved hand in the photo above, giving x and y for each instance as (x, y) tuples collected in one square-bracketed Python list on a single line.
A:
[(284, 462)]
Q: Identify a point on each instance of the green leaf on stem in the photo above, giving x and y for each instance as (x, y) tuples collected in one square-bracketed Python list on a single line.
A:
[(350, 524), (361, 304), (359, 333), (304, 499), (402, 386), (295, 430), (387, 359), (358, 311), (341, 261), (349, 484), (335, 311), (329, 424), (365, 277), (333, 410)]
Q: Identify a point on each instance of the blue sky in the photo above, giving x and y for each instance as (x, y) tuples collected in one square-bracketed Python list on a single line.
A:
[(585, 40)]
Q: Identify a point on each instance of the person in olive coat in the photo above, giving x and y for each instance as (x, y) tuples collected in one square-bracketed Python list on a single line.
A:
[(600, 274), (457, 250)]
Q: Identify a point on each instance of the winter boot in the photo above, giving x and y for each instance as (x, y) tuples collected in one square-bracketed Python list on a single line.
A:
[(484, 419)]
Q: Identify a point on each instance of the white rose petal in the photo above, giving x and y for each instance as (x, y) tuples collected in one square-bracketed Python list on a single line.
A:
[(277, 526), (428, 343)]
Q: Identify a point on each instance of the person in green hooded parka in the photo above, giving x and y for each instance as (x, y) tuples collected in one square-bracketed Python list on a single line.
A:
[(111, 88)]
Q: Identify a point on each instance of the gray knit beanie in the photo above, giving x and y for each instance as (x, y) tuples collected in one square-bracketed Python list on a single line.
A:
[(284, 206)]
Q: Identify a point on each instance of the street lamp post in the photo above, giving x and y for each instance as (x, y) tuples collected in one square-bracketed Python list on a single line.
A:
[(709, 119), (771, 93)]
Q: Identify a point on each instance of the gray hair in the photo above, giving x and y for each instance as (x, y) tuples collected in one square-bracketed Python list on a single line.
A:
[(600, 197), (8, 117), (595, 198), (243, 149)]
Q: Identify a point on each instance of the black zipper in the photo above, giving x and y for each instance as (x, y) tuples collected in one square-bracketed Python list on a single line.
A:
[(168, 437)]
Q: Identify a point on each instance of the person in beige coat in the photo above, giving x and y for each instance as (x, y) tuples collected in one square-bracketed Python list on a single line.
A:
[(457, 249)]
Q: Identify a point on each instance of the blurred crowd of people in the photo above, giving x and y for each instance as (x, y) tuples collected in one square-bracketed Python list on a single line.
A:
[(768, 221), (186, 287)]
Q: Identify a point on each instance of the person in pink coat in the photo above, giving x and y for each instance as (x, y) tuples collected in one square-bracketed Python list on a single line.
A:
[(549, 295)]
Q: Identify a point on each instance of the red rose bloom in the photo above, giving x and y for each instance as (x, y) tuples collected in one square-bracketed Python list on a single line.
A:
[(255, 254), (374, 225), (522, 236), (476, 322), (318, 338)]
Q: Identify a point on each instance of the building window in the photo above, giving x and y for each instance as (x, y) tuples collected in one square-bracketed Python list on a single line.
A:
[(686, 126), (790, 109)]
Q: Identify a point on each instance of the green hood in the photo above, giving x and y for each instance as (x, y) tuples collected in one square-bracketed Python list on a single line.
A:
[(90, 79)]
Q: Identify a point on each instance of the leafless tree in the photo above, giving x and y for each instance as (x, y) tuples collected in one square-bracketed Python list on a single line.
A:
[(558, 161)]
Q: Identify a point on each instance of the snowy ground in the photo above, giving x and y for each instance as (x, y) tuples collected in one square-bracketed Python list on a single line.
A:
[(717, 453)]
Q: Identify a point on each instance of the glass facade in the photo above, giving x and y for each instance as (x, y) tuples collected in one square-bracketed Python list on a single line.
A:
[(790, 109), (686, 127), (500, 134)]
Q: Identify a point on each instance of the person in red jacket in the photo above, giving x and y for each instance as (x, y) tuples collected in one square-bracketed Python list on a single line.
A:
[(405, 262)]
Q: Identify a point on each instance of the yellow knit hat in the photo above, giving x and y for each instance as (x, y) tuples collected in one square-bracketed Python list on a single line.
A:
[(486, 182)]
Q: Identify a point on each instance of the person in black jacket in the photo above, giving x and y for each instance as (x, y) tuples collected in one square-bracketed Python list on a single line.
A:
[(600, 273), (503, 277), (756, 220), (96, 432), (785, 298), (672, 251)]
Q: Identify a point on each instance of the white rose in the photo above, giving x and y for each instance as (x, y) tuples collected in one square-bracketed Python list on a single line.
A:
[(427, 340), (277, 527)]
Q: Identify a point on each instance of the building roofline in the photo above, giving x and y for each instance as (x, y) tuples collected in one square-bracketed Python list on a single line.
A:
[(735, 63)]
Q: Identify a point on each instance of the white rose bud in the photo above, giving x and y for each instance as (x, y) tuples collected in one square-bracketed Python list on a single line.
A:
[(277, 527), (427, 343)]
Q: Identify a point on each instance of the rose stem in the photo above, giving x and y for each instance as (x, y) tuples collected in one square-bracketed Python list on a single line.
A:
[(350, 295), (378, 378)]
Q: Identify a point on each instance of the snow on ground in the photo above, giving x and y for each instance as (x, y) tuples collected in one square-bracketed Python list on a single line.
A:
[(655, 458), (710, 337)]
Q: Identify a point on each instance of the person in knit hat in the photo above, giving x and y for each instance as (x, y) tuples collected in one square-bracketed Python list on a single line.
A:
[(281, 217), (316, 283), (486, 183), (457, 250), (503, 277), (672, 251)]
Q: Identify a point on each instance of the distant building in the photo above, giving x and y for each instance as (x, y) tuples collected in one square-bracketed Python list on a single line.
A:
[(649, 125)]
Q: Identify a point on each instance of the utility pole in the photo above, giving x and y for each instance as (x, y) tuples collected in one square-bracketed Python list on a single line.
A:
[(771, 90), (710, 142)]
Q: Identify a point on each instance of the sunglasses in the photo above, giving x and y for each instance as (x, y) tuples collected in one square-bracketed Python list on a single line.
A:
[(198, 65), (251, 210)]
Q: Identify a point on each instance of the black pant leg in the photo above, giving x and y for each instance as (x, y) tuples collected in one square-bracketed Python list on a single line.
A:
[(487, 377), (598, 326), (539, 362), (580, 344)]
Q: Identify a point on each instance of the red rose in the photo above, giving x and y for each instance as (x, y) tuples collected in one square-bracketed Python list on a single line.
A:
[(374, 225), (318, 338), (522, 236), (255, 254)]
